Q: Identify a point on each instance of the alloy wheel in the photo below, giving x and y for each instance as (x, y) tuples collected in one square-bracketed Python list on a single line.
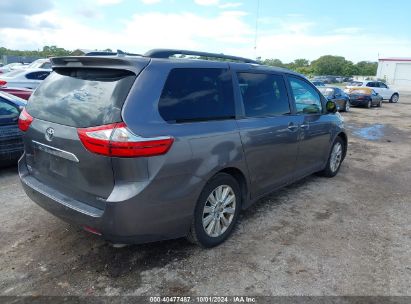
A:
[(336, 157), (219, 210), (394, 98)]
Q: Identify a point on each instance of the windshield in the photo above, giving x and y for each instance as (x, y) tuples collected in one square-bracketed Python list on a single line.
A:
[(36, 64), (327, 92)]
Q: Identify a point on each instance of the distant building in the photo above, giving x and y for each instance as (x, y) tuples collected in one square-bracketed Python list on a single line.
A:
[(396, 72)]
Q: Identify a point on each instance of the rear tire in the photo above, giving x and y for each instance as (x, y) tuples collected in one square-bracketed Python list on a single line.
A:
[(335, 158), (394, 98), (216, 211), (369, 104)]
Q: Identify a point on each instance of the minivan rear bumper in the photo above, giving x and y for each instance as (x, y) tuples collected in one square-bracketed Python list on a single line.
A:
[(128, 222)]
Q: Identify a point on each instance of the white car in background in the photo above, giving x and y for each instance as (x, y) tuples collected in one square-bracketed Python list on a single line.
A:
[(379, 87), (26, 78), (40, 63), (12, 66)]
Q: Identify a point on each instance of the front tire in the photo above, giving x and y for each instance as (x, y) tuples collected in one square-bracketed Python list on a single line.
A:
[(394, 98), (379, 104), (335, 158), (347, 106), (216, 212)]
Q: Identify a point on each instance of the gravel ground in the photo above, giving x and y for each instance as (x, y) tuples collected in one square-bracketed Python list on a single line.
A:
[(350, 235)]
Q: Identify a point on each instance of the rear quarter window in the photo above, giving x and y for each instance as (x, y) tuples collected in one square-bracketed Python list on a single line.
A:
[(81, 97), (38, 75), (197, 94)]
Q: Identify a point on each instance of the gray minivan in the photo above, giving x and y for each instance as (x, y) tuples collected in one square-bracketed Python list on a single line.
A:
[(146, 148)]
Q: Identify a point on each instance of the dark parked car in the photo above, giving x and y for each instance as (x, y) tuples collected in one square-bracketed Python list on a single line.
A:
[(318, 83), (19, 92), (11, 144), (341, 99), (139, 149), (364, 97)]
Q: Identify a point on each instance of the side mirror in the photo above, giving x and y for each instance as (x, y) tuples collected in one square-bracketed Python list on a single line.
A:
[(331, 107)]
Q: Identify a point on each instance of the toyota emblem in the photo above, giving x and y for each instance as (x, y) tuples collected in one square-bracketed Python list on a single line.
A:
[(49, 134)]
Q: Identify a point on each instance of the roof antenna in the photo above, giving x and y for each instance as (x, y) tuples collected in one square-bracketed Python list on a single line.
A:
[(257, 16), (121, 53)]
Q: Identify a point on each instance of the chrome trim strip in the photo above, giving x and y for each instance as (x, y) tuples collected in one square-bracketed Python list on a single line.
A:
[(56, 152)]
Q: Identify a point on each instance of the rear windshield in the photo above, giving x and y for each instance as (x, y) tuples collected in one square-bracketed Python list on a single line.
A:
[(81, 97), (360, 91)]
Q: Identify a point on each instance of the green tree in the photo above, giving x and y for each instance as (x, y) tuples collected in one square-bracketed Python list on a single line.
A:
[(46, 51), (304, 70), (367, 68), (301, 66), (273, 62), (301, 63), (329, 65)]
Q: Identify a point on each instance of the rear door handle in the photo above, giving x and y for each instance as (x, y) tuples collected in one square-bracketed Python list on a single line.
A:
[(292, 127)]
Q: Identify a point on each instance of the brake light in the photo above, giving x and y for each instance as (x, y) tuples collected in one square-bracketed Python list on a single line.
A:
[(25, 120), (118, 141), (3, 83)]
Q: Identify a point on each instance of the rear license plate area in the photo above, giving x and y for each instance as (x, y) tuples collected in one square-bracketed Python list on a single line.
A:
[(49, 162)]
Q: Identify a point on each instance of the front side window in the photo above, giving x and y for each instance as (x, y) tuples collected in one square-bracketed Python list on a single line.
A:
[(193, 94), (371, 84), (306, 98), (263, 94)]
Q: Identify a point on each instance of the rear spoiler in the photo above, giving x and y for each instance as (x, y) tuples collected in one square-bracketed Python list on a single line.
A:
[(134, 64)]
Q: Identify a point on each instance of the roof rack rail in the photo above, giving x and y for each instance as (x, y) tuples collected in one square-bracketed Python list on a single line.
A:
[(104, 53), (167, 53)]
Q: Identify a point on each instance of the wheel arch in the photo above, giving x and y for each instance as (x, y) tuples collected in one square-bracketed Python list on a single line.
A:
[(240, 177), (393, 94), (344, 138)]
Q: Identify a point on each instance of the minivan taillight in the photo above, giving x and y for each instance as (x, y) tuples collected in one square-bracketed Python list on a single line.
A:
[(118, 141), (25, 120)]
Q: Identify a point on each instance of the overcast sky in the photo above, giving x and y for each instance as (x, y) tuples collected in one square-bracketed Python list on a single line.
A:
[(287, 29)]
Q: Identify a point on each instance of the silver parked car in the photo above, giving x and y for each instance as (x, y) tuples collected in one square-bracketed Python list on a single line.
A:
[(146, 148), (24, 78)]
